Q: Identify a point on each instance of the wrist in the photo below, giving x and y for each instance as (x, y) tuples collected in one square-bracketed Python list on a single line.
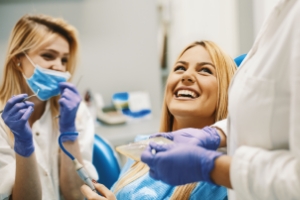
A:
[(220, 174), (213, 139), (69, 136), (70, 128), (209, 165), (24, 147)]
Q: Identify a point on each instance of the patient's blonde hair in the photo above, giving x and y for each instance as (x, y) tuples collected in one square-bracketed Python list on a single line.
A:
[(29, 33), (225, 69)]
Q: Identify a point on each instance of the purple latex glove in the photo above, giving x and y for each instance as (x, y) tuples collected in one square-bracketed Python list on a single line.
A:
[(15, 115), (207, 137), (178, 164), (69, 103)]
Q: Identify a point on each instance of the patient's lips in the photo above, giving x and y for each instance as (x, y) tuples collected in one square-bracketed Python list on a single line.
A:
[(186, 93)]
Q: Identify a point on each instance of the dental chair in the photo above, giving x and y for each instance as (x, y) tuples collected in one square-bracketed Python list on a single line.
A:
[(106, 162), (238, 60)]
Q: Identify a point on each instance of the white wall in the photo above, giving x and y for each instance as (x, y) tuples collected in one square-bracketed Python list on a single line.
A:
[(193, 20), (232, 24), (118, 42), (119, 38)]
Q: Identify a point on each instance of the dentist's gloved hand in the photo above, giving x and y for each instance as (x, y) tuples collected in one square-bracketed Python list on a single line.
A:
[(69, 102), (178, 164), (15, 115), (207, 137)]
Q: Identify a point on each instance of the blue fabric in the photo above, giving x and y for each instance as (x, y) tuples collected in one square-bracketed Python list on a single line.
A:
[(238, 60), (45, 85), (147, 188)]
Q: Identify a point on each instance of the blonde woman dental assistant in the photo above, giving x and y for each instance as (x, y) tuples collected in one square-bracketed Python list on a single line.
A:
[(41, 56), (263, 160)]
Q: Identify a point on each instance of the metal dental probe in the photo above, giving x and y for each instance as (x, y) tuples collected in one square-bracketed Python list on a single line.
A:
[(25, 99)]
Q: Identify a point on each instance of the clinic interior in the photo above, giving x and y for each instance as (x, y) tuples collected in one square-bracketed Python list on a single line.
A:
[(130, 46)]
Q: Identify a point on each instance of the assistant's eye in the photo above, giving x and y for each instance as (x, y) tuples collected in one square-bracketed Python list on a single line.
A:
[(64, 61), (182, 68), (205, 70), (48, 56)]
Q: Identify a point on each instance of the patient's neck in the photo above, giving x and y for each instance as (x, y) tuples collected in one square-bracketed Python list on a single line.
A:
[(191, 122)]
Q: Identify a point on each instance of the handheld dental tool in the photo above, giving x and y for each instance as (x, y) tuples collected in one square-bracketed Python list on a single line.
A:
[(25, 99), (79, 168)]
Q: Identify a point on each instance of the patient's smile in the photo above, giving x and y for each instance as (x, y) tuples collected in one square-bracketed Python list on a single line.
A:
[(186, 94)]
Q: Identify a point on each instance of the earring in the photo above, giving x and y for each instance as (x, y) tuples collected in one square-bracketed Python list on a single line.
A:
[(19, 64)]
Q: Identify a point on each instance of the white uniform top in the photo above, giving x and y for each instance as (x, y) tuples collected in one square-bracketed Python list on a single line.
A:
[(47, 153), (264, 112)]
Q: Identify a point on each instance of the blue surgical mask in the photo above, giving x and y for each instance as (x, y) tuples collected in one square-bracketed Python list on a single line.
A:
[(45, 82)]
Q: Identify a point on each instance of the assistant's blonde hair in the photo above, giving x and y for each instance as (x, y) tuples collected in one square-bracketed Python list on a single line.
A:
[(29, 33), (225, 69)]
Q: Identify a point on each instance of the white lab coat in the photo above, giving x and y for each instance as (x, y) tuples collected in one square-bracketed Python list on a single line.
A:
[(47, 153), (264, 112)]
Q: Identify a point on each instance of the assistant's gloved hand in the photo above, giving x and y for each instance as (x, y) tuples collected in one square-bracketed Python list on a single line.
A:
[(69, 103), (178, 164), (207, 137), (15, 115)]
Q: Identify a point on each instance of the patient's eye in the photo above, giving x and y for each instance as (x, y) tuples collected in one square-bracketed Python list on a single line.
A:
[(205, 70), (179, 68)]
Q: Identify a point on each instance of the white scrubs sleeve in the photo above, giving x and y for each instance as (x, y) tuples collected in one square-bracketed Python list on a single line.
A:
[(7, 165), (221, 125), (86, 130)]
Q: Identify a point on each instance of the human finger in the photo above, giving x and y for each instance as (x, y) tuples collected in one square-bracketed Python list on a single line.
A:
[(17, 115), (63, 102), (90, 194), (162, 134), (12, 101), (105, 191), (20, 106), (70, 95), (160, 147), (70, 86), (147, 156), (27, 113)]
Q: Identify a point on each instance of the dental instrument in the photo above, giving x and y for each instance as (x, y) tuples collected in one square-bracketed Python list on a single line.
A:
[(79, 168), (25, 99)]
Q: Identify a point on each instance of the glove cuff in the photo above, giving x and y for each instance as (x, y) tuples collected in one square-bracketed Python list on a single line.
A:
[(24, 147), (209, 164), (214, 138), (69, 138), (70, 128)]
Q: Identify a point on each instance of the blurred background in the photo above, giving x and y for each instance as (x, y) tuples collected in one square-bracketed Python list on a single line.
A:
[(131, 45)]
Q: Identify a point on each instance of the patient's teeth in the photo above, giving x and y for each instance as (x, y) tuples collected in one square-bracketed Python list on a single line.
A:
[(186, 92)]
